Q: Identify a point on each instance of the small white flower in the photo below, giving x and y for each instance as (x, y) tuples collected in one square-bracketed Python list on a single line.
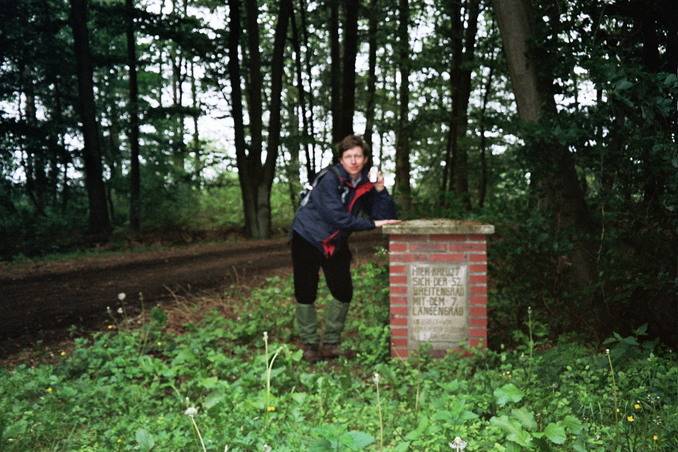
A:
[(267, 448), (458, 444), (376, 378), (265, 336), (121, 296), (191, 412), (120, 311)]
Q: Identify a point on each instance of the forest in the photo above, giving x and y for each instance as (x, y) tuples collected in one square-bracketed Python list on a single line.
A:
[(555, 121)]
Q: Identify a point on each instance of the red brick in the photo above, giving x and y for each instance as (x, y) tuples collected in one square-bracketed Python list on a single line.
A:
[(398, 269), (465, 246), (449, 237), (399, 321), (447, 258), (399, 342), (399, 332), (407, 258), (475, 310), (428, 247), (477, 279), (478, 321), (398, 301), (412, 237), (478, 332), (397, 247), (478, 268), (478, 290), (479, 257), (399, 290), (398, 279), (478, 300), (398, 310), (477, 238)]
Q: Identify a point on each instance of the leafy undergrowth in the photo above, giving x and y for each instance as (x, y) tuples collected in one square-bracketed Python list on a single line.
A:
[(234, 380)]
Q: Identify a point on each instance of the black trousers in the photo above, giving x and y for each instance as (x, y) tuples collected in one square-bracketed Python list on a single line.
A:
[(307, 261)]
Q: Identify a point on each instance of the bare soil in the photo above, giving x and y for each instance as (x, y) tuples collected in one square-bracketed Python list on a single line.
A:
[(49, 302)]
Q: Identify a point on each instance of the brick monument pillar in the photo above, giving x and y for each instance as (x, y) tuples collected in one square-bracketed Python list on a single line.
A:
[(438, 285)]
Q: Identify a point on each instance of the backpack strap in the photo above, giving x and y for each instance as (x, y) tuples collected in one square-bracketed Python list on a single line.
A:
[(306, 194)]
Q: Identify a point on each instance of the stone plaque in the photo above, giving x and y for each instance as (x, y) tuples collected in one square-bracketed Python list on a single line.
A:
[(438, 304)]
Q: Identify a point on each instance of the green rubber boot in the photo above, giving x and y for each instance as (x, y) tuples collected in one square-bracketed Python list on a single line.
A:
[(307, 323), (335, 319)]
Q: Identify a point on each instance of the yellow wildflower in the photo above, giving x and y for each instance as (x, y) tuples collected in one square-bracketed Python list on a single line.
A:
[(270, 408), (636, 406), (49, 389), (630, 419), (655, 437)]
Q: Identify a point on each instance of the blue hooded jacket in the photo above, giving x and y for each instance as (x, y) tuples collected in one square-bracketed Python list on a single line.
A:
[(331, 214)]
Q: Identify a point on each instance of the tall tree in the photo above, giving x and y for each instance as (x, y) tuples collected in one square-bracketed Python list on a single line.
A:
[(348, 76), (551, 165), (256, 177), (372, 29), (402, 158), (135, 177), (99, 219), (464, 27), (335, 70), (342, 66)]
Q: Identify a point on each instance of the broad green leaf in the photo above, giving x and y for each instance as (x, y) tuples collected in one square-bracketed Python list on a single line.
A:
[(209, 382), (573, 424), (526, 418), (514, 431), (508, 393), (321, 445), (145, 440), (15, 430), (300, 397), (356, 440), (443, 416), (213, 399), (555, 433)]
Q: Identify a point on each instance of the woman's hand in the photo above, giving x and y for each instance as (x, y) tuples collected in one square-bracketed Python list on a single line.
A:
[(379, 184), (380, 223)]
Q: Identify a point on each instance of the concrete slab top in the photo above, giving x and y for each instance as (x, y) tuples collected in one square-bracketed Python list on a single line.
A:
[(438, 226)]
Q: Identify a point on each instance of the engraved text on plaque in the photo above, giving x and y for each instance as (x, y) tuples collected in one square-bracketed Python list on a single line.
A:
[(438, 304)]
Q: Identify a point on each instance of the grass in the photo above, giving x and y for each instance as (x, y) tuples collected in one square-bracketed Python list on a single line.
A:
[(233, 379)]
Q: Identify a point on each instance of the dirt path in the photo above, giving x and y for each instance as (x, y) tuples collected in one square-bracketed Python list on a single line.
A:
[(43, 301)]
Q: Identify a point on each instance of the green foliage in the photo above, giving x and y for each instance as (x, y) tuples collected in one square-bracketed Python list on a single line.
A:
[(219, 384)]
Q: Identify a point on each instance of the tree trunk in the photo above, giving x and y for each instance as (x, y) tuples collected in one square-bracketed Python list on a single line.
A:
[(99, 220), (134, 173), (305, 131), (348, 68), (371, 71), (256, 178), (464, 49), (335, 71), (552, 168), (403, 189)]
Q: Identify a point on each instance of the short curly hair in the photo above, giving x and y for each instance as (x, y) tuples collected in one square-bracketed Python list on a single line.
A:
[(351, 141)]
